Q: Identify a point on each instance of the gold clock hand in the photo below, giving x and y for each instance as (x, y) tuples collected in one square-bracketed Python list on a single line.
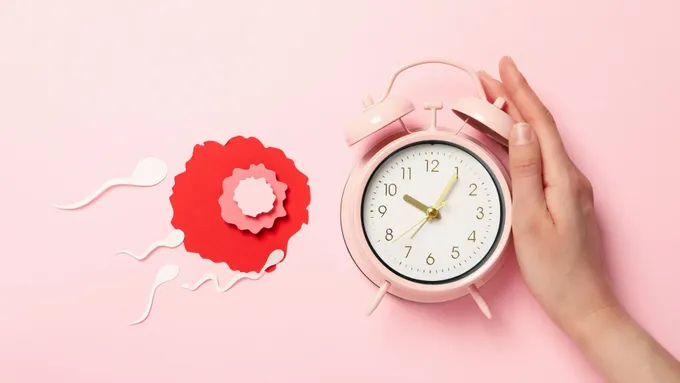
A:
[(420, 223), (430, 216), (411, 228), (419, 227), (417, 204), (446, 191)]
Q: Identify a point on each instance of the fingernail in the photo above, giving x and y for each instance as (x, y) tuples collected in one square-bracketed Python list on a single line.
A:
[(521, 134), (511, 61)]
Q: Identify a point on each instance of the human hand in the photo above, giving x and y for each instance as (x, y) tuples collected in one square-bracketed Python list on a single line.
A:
[(558, 244), (555, 232)]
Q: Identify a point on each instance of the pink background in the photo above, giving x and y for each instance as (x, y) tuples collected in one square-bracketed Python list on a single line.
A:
[(87, 88)]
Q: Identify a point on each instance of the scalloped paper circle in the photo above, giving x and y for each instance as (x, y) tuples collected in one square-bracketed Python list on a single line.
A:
[(232, 213)]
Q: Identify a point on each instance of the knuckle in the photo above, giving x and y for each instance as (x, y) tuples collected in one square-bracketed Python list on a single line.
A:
[(547, 116), (529, 223), (572, 182), (586, 195), (526, 167), (580, 190), (587, 188)]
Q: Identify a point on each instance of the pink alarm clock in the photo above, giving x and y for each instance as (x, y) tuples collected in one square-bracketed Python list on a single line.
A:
[(426, 213)]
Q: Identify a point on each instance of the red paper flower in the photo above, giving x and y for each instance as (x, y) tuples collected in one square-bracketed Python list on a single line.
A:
[(197, 212)]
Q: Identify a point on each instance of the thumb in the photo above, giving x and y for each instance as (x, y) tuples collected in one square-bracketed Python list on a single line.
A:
[(526, 172)]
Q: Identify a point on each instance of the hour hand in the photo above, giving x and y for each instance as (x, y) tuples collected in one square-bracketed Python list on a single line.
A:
[(418, 205)]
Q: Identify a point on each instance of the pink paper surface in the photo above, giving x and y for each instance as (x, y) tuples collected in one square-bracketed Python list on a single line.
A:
[(87, 88)]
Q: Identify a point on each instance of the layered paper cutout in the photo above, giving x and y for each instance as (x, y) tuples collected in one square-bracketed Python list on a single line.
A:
[(254, 196), (237, 204), (198, 213), (254, 218)]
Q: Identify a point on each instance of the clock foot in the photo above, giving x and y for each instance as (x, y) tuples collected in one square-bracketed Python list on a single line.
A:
[(480, 301), (378, 298)]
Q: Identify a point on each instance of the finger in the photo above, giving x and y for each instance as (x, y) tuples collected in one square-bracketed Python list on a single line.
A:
[(535, 113), (526, 175), (495, 89)]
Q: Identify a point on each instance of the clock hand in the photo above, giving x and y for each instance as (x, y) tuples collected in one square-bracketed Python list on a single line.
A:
[(418, 229), (432, 212), (417, 204), (411, 228), (430, 216), (446, 191), (441, 202)]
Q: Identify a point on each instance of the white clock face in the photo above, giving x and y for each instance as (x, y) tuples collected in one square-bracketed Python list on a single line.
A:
[(451, 244)]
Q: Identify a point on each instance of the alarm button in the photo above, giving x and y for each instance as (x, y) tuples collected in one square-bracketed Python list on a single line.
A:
[(376, 117), (488, 118)]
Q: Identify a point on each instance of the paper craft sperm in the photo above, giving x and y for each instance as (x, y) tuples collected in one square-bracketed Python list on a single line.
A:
[(174, 239), (275, 257), (165, 274), (148, 172)]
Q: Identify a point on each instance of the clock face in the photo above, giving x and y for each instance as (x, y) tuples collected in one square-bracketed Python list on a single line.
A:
[(458, 237)]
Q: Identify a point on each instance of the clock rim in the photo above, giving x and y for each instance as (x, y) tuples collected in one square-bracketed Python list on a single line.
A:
[(369, 263), (497, 237)]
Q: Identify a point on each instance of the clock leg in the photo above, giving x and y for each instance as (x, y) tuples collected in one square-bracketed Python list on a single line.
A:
[(378, 297), (480, 301)]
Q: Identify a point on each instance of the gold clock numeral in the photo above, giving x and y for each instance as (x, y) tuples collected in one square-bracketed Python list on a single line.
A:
[(406, 173), (431, 166), (391, 189), (455, 253), (473, 236), (473, 190), (408, 251), (382, 209), (388, 235), (430, 260), (480, 212)]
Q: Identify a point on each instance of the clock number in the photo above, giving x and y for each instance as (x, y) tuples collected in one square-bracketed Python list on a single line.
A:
[(391, 189), (480, 213), (431, 166), (474, 189), (408, 251), (455, 253), (388, 235), (473, 236), (382, 209), (429, 260), (406, 172), (456, 172)]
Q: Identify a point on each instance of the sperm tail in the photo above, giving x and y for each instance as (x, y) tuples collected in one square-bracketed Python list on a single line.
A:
[(142, 257), (220, 289), (206, 278), (87, 200)]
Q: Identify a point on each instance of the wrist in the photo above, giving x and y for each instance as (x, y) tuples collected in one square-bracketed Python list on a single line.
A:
[(587, 329)]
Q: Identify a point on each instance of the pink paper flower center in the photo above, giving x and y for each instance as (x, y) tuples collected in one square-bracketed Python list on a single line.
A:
[(252, 199), (254, 196)]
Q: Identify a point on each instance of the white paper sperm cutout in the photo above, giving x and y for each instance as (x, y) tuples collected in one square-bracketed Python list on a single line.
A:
[(165, 274), (275, 257), (174, 239), (148, 172)]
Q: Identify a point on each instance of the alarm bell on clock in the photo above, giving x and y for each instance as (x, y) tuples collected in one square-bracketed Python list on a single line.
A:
[(426, 215)]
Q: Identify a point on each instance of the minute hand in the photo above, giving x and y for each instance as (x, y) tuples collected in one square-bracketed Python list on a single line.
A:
[(446, 191)]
